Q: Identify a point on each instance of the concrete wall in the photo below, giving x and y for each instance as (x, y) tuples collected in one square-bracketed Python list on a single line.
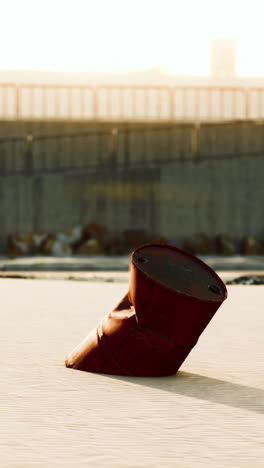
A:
[(213, 197), (153, 180)]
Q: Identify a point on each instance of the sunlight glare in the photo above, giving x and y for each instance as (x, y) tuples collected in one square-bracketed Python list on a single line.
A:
[(128, 35)]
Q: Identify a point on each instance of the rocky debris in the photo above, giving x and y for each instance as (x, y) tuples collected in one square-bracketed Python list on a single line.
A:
[(62, 244), (248, 280), (89, 247), (25, 243), (53, 246), (97, 239), (96, 231), (225, 245), (72, 237), (59, 244), (200, 243), (251, 246), (113, 244)]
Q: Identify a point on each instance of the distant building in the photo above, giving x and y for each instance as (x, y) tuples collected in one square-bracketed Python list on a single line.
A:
[(223, 57)]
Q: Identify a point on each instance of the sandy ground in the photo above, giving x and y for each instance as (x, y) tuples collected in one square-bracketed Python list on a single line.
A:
[(210, 415)]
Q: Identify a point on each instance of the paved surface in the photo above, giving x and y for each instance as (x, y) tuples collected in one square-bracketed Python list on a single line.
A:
[(210, 415), (119, 263), (72, 263)]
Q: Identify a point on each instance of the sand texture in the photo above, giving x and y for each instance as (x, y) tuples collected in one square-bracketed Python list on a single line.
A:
[(210, 415)]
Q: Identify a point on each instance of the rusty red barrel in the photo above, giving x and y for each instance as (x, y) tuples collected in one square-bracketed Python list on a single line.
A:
[(171, 299)]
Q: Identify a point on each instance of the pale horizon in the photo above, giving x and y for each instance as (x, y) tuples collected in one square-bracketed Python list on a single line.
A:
[(128, 36)]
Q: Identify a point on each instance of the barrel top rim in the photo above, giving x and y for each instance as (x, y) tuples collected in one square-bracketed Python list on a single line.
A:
[(174, 290)]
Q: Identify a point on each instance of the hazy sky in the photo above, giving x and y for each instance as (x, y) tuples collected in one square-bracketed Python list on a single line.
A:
[(123, 35)]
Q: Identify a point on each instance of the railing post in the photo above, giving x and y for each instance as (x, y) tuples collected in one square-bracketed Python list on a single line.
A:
[(171, 105), (126, 146), (17, 102), (28, 164), (113, 145), (196, 141), (95, 104), (246, 91)]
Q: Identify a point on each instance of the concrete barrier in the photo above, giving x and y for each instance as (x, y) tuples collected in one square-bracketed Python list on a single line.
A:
[(169, 180)]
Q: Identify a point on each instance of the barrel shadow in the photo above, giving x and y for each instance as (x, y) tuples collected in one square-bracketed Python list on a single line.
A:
[(205, 388)]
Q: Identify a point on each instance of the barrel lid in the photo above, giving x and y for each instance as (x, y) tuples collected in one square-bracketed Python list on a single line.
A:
[(180, 271)]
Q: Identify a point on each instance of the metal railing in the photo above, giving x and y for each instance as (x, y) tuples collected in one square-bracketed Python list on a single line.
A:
[(127, 147), (130, 103)]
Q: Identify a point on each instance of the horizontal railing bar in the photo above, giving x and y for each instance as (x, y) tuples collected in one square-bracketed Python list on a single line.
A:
[(52, 86), (12, 138), (123, 129), (131, 86)]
